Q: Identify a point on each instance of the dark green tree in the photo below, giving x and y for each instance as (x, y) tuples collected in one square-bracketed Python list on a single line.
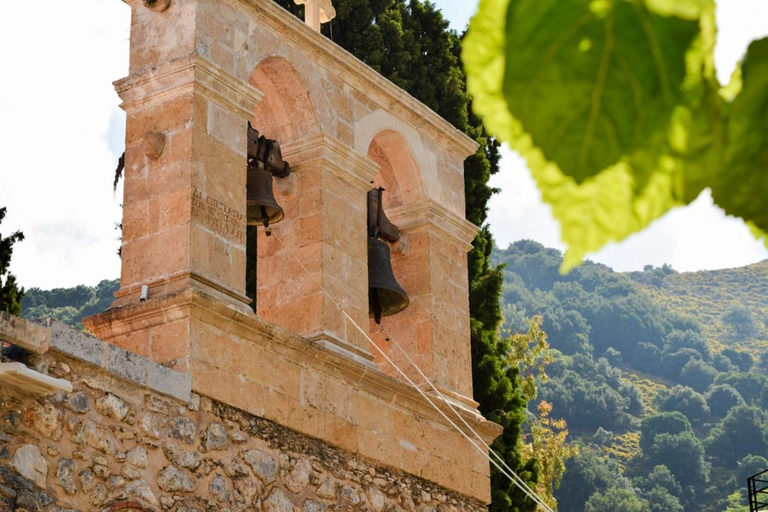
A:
[(616, 499), (586, 474), (662, 423), (660, 477), (409, 42), (723, 364), (686, 401), (697, 375), (750, 465), (646, 357), (749, 385), (742, 432), (10, 293), (672, 363), (660, 500), (678, 339), (741, 359), (69, 305), (722, 398), (740, 320), (683, 454)]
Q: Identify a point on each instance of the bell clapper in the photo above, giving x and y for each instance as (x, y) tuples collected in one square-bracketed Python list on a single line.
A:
[(376, 307)]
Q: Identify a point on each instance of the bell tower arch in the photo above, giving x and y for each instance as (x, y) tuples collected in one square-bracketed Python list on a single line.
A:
[(429, 263), (287, 112)]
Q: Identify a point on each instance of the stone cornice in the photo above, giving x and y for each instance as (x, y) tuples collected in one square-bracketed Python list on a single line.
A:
[(363, 78), (429, 213), (357, 374), (252, 329), (193, 73), (323, 150)]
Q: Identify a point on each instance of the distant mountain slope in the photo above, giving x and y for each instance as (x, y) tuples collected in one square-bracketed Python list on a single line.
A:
[(710, 295), (661, 376), (69, 305)]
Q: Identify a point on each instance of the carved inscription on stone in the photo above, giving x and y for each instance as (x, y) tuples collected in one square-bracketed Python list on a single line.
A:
[(218, 216), (220, 248)]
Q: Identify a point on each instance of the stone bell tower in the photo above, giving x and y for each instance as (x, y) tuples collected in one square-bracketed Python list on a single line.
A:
[(200, 70)]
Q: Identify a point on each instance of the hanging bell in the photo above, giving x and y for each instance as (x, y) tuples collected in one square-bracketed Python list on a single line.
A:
[(261, 207), (385, 295)]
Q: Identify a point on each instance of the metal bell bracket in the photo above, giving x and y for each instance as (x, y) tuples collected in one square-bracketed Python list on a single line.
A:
[(379, 226)]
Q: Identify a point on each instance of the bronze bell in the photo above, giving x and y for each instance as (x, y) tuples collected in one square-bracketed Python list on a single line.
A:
[(262, 208), (385, 296)]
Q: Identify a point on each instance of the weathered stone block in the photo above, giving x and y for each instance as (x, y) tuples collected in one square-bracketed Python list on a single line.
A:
[(127, 365), (112, 407), (65, 475), (182, 429), (76, 344), (172, 479), (24, 333), (31, 464), (262, 464)]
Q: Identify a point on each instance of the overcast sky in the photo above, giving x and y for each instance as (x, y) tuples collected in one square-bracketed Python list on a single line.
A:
[(61, 133)]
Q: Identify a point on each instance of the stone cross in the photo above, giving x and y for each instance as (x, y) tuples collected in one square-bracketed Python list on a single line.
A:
[(317, 12)]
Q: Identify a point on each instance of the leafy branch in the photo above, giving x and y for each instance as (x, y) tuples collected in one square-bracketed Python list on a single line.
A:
[(616, 107)]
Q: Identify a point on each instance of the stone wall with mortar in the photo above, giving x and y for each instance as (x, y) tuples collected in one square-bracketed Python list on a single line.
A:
[(115, 443)]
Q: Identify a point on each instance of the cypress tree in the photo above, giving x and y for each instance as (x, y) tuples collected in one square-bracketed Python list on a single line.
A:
[(409, 42)]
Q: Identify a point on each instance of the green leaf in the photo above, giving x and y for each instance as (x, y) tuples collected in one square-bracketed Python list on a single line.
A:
[(658, 165), (593, 81), (741, 186)]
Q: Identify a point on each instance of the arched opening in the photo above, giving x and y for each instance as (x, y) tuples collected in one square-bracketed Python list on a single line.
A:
[(399, 176), (286, 114), (399, 173)]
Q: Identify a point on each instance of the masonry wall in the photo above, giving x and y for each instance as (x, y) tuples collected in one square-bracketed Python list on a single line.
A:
[(132, 436)]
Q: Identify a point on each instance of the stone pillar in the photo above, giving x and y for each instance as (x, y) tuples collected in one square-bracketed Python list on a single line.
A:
[(319, 247), (185, 173), (184, 210)]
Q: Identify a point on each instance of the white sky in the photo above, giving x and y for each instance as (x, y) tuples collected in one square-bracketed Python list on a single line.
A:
[(61, 133)]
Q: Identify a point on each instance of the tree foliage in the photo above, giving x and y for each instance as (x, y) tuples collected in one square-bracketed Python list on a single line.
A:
[(740, 319), (616, 107), (587, 473), (10, 293), (685, 400), (616, 499), (722, 398), (69, 305), (547, 443), (741, 433)]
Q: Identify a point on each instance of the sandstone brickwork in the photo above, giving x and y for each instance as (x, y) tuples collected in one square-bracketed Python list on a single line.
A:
[(199, 71)]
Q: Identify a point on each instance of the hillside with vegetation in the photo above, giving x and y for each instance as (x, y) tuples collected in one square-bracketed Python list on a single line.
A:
[(662, 378), (731, 304), (69, 305)]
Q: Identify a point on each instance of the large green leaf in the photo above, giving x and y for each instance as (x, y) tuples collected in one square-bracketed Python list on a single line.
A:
[(593, 81), (741, 187), (663, 167)]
